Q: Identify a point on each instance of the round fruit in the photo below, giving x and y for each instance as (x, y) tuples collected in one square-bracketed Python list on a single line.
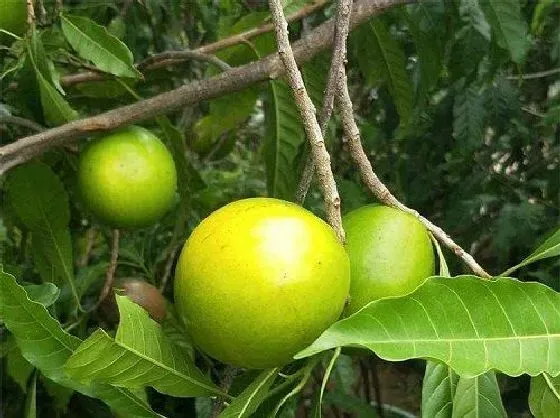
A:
[(13, 18), (259, 280), (128, 178), (390, 254)]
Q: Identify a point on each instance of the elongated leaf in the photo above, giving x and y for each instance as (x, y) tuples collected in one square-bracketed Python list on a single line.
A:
[(381, 58), (549, 248), (317, 413), (470, 324), (38, 197), (472, 15), (250, 399), (139, 356), (508, 26), (478, 397), (469, 117), (544, 397), (47, 346), (31, 398), (95, 44), (438, 390)]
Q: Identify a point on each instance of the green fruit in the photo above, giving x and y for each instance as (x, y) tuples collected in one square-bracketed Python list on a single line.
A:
[(259, 280), (13, 18), (390, 254), (127, 179)]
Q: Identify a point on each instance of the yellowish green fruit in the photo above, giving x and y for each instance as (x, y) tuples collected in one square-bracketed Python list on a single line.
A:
[(259, 280), (13, 18), (390, 254), (127, 179)]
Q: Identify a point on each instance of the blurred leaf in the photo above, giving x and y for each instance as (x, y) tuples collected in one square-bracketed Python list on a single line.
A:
[(438, 390), (38, 198), (472, 15), (46, 294), (60, 395), (468, 118), (94, 43), (18, 368), (250, 399), (31, 398), (549, 248), (544, 397), (478, 397), (472, 325), (139, 356)]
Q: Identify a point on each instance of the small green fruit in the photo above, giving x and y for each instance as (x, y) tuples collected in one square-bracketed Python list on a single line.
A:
[(259, 280), (127, 179), (390, 254)]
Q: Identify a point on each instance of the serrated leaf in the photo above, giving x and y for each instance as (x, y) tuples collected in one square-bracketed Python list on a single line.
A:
[(380, 57), (94, 43), (46, 294), (478, 397), (139, 356), (47, 346), (469, 117), (249, 400), (549, 248), (544, 396), (438, 390), (472, 325), (508, 26), (38, 198), (471, 14)]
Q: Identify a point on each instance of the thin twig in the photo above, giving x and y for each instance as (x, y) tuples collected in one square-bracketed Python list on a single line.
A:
[(91, 234), (167, 57), (30, 12), (110, 273), (311, 126), (532, 76), (341, 29), (352, 136), (26, 123), (168, 266)]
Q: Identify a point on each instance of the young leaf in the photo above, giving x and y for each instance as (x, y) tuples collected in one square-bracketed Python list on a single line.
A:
[(470, 324), (508, 27), (438, 390), (250, 399), (544, 396), (38, 198), (47, 346), (139, 356), (478, 397), (95, 44)]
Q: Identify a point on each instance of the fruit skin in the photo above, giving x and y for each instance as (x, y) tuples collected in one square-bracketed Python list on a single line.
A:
[(390, 254), (13, 18), (259, 280), (128, 178)]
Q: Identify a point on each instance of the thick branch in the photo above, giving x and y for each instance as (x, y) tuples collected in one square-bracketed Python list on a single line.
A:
[(380, 191), (307, 112), (227, 82)]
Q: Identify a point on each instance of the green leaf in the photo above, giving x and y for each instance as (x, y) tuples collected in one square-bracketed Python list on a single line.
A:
[(250, 399), (438, 390), (139, 356), (94, 43), (469, 117), (31, 399), (549, 248), (318, 412), (472, 325), (18, 368), (46, 294), (38, 198), (47, 346), (478, 397), (472, 15), (381, 58), (508, 26), (544, 396)]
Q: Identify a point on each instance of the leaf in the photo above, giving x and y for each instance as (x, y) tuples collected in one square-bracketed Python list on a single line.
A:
[(46, 294), (478, 397), (468, 117), (508, 26), (139, 356), (336, 353), (438, 390), (250, 399), (544, 396), (38, 198), (47, 346), (94, 43), (472, 15), (443, 269), (470, 324), (31, 399), (549, 248), (18, 368), (380, 57)]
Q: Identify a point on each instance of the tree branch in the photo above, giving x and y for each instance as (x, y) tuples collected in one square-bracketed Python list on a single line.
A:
[(165, 58), (341, 29), (352, 134), (307, 112), (227, 82)]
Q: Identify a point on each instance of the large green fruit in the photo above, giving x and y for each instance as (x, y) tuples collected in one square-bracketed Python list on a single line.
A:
[(259, 280), (13, 18), (127, 179), (390, 254)]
